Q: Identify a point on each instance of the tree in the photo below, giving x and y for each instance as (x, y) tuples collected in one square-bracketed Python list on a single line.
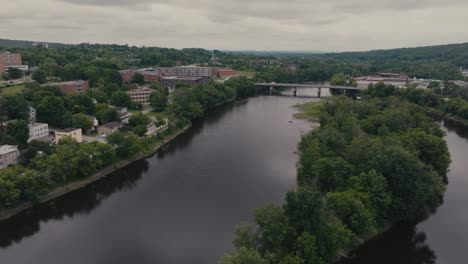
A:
[(138, 78), (272, 228), (125, 144), (140, 130), (17, 133), (243, 256), (139, 119), (82, 121), (158, 101), (39, 76), (51, 110), (121, 99), (14, 107), (14, 73), (104, 114)]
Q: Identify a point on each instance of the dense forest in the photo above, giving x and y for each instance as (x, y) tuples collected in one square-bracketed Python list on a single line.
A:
[(370, 164)]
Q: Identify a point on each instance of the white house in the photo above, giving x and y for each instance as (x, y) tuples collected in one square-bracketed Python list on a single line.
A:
[(37, 131), (8, 155)]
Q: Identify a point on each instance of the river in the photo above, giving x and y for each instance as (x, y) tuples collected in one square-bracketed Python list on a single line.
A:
[(179, 206), (182, 204)]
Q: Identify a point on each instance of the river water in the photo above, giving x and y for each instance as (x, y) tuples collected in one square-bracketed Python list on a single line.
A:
[(182, 204), (179, 206)]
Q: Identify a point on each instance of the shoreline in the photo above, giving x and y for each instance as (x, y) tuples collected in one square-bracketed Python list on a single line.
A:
[(456, 120), (76, 185)]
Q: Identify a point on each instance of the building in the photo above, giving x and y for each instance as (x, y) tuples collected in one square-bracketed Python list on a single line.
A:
[(8, 155), (127, 75), (74, 133), (171, 82), (38, 131), (109, 128), (32, 114), (225, 72), (464, 72), (8, 60), (141, 95), (74, 87), (399, 80), (150, 75), (123, 113), (187, 71)]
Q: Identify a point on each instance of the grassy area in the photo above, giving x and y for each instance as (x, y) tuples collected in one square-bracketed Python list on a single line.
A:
[(309, 111), (12, 89)]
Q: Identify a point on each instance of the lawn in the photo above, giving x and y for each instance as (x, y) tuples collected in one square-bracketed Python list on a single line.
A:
[(309, 111), (12, 89)]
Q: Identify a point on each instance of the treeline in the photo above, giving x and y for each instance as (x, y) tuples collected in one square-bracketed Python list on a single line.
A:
[(370, 164), (452, 105), (190, 103)]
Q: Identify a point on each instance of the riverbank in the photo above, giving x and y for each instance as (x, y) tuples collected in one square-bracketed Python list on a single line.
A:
[(73, 186), (438, 114)]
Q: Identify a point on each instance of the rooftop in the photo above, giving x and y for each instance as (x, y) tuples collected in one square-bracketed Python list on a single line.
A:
[(68, 130), (5, 149), (112, 124), (37, 124)]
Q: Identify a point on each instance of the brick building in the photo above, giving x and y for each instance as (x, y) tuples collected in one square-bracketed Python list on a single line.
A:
[(141, 95), (74, 87), (150, 75), (9, 59), (127, 75), (171, 82), (225, 72)]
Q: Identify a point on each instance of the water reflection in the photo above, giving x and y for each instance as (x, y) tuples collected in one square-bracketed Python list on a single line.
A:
[(82, 201), (403, 244)]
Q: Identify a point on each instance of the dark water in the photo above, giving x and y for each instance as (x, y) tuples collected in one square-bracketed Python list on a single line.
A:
[(179, 206), (440, 239)]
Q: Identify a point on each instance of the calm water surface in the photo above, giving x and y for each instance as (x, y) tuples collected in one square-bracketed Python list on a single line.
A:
[(180, 206)]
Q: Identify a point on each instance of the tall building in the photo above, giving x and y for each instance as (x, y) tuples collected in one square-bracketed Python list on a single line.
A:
[(9, 60)]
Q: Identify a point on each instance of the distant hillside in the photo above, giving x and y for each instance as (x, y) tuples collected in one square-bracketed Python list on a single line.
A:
[(453, 53), (9, 43)]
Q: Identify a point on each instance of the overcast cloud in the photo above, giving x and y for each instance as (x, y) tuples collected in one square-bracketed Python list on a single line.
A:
[(306, 25)]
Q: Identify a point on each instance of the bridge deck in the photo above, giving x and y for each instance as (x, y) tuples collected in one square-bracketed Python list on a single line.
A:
[(304, 85)]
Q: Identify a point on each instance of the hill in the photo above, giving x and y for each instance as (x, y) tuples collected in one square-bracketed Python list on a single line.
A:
[(9, 43)]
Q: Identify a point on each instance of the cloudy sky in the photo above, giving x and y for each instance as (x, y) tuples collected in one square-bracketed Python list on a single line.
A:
[(306, 25)]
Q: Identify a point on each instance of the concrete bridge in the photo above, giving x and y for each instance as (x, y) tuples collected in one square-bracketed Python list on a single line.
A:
[(305, 85)]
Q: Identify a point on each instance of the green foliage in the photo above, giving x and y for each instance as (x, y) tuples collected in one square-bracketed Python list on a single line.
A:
[(140, 130), (16, 133), (138, 78), (243, 256), (13, 107), (121, 99), (139, 119), (39, 76), (125, 144), (82, 121), (51, 110), (371, 163), (14, 73), (158, 101), (104, 114)]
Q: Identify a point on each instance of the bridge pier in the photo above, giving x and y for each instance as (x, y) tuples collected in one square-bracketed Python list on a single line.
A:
[(295, 91), (319, 92), (271, 90)]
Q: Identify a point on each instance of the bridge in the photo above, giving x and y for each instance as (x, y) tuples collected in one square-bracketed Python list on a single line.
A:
[(305, 85)]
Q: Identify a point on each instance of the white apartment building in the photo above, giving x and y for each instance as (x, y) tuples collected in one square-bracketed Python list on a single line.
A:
[(37, 131), (8, 155)]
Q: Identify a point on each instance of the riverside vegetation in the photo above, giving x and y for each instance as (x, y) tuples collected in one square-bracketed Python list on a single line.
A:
[(371, 163)]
